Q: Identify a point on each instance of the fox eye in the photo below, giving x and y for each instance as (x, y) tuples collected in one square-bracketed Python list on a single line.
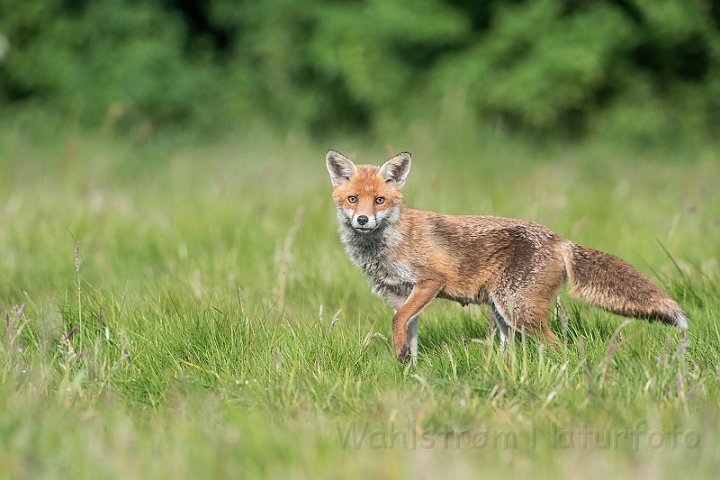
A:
[(352, 199), (380, 200)]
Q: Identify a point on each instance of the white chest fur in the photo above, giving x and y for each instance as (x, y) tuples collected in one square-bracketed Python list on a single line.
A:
[(376, 254)]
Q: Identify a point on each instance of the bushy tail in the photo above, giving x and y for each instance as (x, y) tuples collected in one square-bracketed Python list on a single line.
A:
[(605, 281)]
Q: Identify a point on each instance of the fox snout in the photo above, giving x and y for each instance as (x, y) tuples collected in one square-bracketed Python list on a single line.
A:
[(364, 223)]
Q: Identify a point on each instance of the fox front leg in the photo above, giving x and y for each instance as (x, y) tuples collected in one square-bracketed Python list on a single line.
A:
[(422, 294), (412, 331)]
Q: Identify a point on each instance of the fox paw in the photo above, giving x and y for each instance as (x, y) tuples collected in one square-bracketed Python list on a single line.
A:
[(404, 355)]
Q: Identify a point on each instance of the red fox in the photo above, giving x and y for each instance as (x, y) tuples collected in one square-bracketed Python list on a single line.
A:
[(412, 256)]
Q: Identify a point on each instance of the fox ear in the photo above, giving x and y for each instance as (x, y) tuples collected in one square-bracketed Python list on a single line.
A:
[(396, 170), (341, 169)]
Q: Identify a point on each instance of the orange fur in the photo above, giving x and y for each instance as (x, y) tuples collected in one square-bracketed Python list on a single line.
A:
[(412, 256)]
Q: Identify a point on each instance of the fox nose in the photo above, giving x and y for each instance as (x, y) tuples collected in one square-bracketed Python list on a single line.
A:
[(362, 219)]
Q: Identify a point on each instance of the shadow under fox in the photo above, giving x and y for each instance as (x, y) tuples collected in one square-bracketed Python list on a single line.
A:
[(412, 256)]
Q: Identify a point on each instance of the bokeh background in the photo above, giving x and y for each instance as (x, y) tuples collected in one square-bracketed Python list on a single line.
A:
[(174, 298), (628, 70)]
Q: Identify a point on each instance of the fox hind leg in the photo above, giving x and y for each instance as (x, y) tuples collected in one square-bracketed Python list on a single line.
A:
[(532, 319), (503, 325)]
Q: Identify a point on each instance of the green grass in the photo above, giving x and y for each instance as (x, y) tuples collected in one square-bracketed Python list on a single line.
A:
[(219, 273)]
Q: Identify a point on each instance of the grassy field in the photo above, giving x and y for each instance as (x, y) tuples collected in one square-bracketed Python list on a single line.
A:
[(183, 311)]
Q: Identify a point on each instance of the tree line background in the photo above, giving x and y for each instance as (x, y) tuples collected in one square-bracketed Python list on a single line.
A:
[(568, 68)]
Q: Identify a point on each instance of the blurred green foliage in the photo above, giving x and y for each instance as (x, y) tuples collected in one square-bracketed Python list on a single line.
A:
[(615, 68)]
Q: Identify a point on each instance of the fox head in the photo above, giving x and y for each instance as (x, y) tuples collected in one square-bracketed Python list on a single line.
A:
[(367, 196)]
